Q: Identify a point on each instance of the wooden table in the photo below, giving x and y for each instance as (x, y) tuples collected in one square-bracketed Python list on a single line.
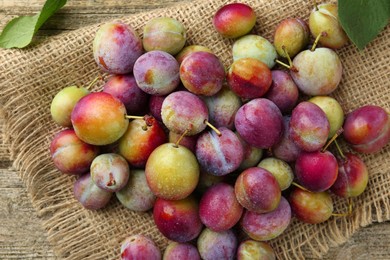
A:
[(21, 235)]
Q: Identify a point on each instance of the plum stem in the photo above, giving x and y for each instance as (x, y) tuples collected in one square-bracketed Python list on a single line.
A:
[(134, 117), (300, 186), (315, 5), (180, 138), (213, 127), (287, 56), (93, 82), (345, 214), (283, 64), (339, 150), (322, 34), (338, 132)]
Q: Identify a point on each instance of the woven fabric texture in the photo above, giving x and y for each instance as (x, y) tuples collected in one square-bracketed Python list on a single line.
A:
[(31, 77)]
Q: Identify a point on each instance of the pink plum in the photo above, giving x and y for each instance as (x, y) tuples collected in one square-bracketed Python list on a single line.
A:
[(219, 155), (139, 247), (219, 209), (181, 251), (217, 245), (116, 47)]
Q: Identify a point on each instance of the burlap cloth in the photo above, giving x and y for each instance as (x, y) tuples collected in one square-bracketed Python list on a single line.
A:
[(30, 78)]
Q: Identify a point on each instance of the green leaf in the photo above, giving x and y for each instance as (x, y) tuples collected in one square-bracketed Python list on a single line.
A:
[(18, 33), (363, 20)]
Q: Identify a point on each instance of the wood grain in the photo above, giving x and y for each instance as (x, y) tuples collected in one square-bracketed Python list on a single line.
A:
[(21, 234)]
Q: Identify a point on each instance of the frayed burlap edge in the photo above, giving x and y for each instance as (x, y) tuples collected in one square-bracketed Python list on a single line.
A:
[(31, 77)]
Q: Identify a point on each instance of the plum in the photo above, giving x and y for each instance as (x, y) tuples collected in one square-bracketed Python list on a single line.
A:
[(136, 195), (217, 245), (257, 190), (255, 46), (178, 220), (324, 19), (223, 107), (311, 207), (309, 127), (140, 139), (70, 155), (157, 73), (89, 194), (172, 171), (219, 209), (164, 34), (110, 172), (283, 91), (286, 149), (155, 104), (367, 129), (251, 250), (179, 117), (249, 78), (316, 171), (125, 88), (234, 20), (333, 111), (352, 177), (99, 118), (252, 155), (139, 247), (255, 119), (219, 154), (266, 226), (186, 51), (280, 170), (202, 73), (181, 251), (293, 35), (63, 103), (116, 47), (317, 72), (206, 180)]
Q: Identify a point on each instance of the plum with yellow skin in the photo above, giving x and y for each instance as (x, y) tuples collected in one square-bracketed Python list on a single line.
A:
[(71, 155), (140, 139), (311, 207), (164, 34), (99, 118), (178, 220), (251, 249), (324, 18), (292, 34), (317, 72), (63, 103), (172, 171), (257, 47)]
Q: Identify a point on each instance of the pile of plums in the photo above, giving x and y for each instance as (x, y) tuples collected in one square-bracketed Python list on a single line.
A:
[(214, 152)]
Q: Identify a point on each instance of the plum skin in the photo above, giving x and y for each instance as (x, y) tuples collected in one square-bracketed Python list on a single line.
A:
[(367, 129), (251, 249), (139, 247), (178, 220), (257, 190), (116, 47), (70, 155), (234, 20), (267, 226), (217, 245), (219, 209), (99, 118), (181, 251), (293, 33), (254, 120)]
